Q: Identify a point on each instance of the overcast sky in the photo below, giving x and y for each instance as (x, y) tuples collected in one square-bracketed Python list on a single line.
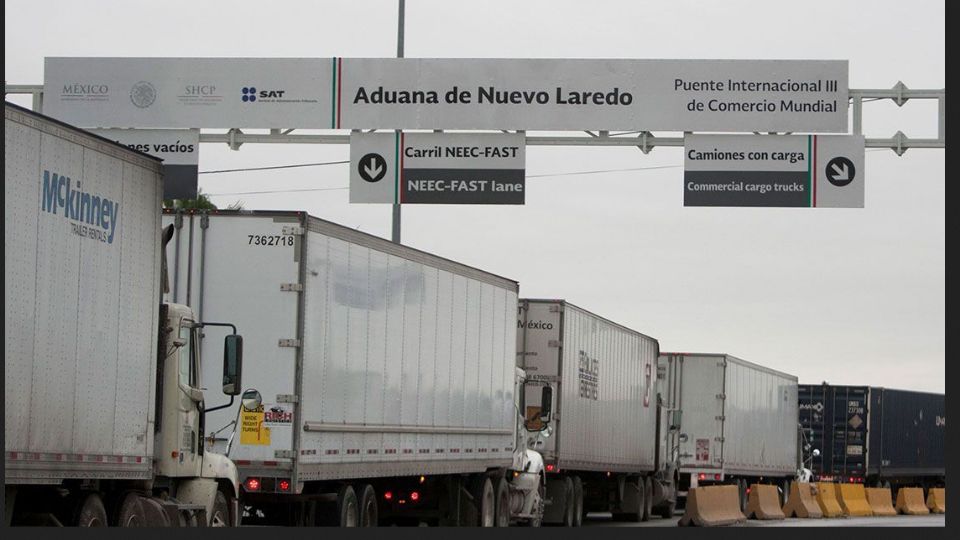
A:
[(847, 296)]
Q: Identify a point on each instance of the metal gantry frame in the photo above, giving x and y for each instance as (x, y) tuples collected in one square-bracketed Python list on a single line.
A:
[(644, 140)]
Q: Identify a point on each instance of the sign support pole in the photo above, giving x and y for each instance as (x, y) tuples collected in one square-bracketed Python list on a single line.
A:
[(395, 234)]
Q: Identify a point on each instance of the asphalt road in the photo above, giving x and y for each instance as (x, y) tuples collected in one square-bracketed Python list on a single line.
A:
[(933, 520)]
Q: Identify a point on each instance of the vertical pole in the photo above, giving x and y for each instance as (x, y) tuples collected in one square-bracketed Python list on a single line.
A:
[(858, 114), (395, 236)]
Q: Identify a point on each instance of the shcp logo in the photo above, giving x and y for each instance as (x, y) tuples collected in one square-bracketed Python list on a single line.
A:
[(143, 94), (249, 94)]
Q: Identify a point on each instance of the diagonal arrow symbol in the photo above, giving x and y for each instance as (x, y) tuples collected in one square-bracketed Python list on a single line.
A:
[(841, 173)]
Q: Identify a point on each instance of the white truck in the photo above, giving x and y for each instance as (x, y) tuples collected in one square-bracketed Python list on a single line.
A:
[(730, 421), (103, 409), (380, 379), (590, 403)]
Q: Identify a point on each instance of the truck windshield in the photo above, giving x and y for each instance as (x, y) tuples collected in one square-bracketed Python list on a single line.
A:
[(188, 355)]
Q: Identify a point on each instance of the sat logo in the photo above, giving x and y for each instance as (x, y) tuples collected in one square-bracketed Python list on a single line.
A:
[(249, 94)]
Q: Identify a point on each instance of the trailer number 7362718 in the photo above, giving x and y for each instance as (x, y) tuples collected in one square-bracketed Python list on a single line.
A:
[(269, 240)]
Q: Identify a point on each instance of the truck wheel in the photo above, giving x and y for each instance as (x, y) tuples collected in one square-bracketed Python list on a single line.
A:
[(742, 493), (130, 512), (503, 503), (220, 517), (368, 506), (577, 502), (484, 501), (667, 510), (347, 507), (568, 503), (90, 512), (538, 504), (647, 499)]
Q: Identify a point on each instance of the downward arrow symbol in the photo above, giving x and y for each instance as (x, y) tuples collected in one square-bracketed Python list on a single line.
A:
[(372, 169), (842, 173)]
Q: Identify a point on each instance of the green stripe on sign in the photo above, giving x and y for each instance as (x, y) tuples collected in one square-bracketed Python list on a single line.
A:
[(333, 94), (809, 171), (396, 168)]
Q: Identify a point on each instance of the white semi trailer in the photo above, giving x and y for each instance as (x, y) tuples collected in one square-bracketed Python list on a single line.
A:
[(103, 407), (381, 379), (597, 424), (732, 421)]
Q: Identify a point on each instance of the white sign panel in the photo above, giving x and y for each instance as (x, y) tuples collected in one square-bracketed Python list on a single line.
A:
[(189, 92), (178, 148), (437, 168), (670, 95), (450, 93), (774, 170)]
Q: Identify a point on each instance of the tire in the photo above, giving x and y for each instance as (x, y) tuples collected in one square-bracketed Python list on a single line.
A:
[(368, 506), (667, 510), (130, 512), (538, 505), (90, 512), (502, 517), (647, 499), (568, 502), (348, 509), (484, 501), (742, 493), (577, 502), (220, 517)]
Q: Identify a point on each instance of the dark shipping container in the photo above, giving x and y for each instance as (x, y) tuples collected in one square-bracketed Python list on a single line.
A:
[(873, 435)]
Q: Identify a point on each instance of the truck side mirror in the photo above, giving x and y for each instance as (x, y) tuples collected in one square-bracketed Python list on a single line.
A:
[(546, 403), (232, 364)]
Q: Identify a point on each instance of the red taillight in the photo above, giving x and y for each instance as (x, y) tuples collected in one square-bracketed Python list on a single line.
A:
[(702, 476), (550, 467), (284, 485), (716, 477), (253, 484), (388, 495), (851, 479), (414, 496), (748, 490)]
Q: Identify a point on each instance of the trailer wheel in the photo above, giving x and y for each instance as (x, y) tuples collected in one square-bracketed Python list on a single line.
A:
[(742, 493), (91, 512), (647, 498), (568, 502), (368, 506), (503, 503), (577, 501), (484, 501), (130, 512), (221, 511), (347, 507)]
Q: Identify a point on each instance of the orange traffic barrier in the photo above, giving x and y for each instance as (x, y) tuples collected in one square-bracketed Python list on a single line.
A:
[(710, 506), (853, 500), (802, 503), (881, 501), (764, 503), (937, 500), (827, 500), (910, 501)]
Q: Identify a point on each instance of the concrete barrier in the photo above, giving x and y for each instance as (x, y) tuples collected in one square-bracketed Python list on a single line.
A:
[(937, 500), (827, 500), (802, 502), (910, 502), (764, 503), (881, 501), (853, 500), (710, 506)]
